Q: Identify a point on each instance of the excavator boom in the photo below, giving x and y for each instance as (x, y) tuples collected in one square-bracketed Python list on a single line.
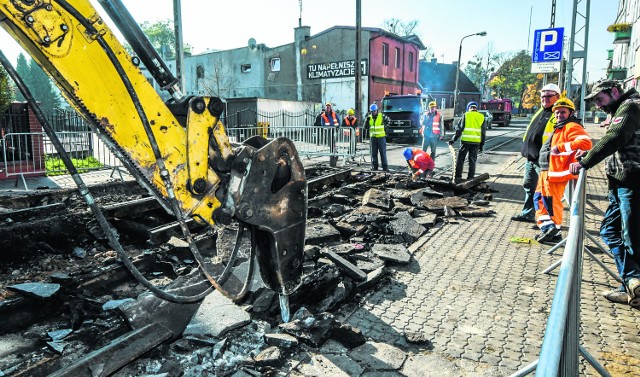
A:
[(179, 150)]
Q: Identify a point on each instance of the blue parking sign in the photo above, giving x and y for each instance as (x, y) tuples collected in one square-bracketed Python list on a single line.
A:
[(547, 45)]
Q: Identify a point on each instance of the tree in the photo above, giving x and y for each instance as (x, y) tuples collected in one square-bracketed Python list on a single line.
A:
[(42, 89), (427, 54), (162, 36), (22, 68), (513, 77), (39, 85), (482, 67), (217, 79), (399, 27), (6, 91)]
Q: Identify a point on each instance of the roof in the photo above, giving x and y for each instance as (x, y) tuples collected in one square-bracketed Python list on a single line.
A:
[(440, 77), (414, 39)]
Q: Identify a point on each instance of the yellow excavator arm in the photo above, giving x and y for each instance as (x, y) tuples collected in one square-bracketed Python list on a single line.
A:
[(179, 150)]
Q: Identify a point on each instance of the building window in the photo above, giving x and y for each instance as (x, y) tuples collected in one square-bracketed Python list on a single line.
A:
[(275, 64), (410, 61), (397, 57), (200, 71), (385, 54), (245, 68)]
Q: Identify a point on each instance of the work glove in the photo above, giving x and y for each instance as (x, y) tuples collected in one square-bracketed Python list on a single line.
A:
[(450, 142), (414, 176)]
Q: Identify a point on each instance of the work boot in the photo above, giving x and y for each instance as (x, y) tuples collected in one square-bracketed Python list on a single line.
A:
[(634, 287), (617, 296), (548, 234), (633, 290), (523, 218)]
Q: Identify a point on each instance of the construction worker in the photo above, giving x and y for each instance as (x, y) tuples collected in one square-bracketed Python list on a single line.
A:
[(420, 163), (620, 228), (430, 130), (471, 132), (557, 152), (329, 118), (352, 122), (377, 122), (538, 131)]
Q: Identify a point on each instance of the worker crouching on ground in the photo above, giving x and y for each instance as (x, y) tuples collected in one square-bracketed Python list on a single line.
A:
[(420, 163), (471, 128), (556, 154)]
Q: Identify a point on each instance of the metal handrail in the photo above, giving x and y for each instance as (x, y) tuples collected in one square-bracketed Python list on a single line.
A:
[(561, 343)]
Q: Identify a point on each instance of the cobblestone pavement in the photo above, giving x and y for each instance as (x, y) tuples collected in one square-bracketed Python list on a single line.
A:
[(483, 301)]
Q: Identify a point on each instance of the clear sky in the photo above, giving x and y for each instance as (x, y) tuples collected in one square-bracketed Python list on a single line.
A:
[(223, 25)]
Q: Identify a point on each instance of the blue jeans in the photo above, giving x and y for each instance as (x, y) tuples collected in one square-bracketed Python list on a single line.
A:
[(620, 230), (430, 141), (379, 145), (529, 183)]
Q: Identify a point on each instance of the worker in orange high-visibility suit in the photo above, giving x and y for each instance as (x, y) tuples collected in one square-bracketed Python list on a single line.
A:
[(420, 163), (556, 154)]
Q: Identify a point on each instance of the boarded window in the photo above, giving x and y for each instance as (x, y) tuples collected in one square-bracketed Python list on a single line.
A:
[(200, 71), (398, 60), (410, 61)]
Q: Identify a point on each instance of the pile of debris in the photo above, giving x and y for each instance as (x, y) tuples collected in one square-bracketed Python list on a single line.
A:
[(359, 228)]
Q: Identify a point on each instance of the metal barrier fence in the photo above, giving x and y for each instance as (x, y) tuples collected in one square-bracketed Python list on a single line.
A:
[(561, 343), (345, 142), (32, 153), (276, 119)]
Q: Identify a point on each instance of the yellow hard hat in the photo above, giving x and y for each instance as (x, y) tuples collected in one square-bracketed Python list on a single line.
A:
[(328, 104), (564, 102), (433, 103), (350, 112)]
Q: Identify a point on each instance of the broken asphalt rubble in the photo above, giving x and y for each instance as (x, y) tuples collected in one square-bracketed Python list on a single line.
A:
[(359, 229)]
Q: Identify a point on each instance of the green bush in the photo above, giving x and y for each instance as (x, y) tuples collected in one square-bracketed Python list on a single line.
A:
[(55, 166)]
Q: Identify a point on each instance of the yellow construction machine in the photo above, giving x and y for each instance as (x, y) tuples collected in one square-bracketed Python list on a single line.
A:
[(178, 149)]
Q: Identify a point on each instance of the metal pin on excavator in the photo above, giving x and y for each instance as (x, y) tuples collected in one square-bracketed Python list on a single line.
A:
[(178, 150)]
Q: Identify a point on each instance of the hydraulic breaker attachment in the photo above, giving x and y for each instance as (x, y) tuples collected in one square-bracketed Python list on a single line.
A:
[(267, 192)]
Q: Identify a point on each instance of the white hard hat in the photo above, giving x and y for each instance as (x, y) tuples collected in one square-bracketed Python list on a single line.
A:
[(551, 88)]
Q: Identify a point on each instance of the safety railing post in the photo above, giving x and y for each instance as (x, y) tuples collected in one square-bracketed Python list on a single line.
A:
[(560, 347)]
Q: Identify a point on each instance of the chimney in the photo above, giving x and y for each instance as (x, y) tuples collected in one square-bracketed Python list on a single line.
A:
[(301, 34), (434, 60)]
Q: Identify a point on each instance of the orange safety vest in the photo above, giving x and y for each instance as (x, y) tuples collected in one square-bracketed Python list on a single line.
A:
[(350, 124), (435, 125), (326, 121), (571, 137)]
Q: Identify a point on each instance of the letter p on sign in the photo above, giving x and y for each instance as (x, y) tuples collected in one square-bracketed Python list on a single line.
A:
[(548, 38)]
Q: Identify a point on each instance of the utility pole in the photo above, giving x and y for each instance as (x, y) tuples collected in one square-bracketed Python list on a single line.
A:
[(358, 65), (177, 27)]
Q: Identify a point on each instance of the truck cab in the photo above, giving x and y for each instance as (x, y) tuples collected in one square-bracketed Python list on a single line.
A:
[(500, 109), (405, 112)]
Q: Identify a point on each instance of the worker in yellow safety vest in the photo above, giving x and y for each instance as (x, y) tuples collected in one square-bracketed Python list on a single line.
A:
[(376, 121), (471, 132), (538, 131)]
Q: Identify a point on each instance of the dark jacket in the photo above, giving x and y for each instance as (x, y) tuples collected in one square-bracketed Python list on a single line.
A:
[(532, 142), (621, 144)]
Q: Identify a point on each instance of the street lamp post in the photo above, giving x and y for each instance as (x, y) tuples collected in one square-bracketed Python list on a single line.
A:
[(455, 92)]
